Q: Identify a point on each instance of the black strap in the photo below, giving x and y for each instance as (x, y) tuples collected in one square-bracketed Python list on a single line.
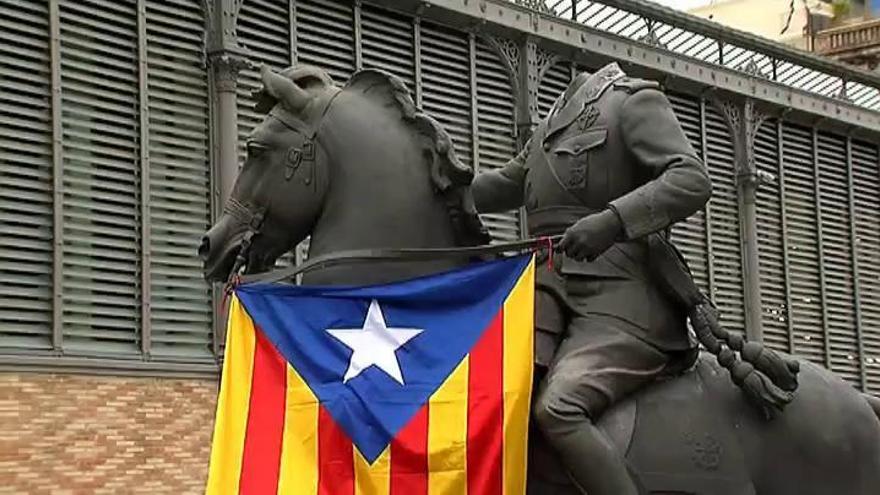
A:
[(398, 255)]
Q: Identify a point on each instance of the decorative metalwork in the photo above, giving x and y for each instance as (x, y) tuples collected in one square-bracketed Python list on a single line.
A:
[(509, 51), (220, 27), (539, 5), (544, 60), (744, 121), (651, 37), (752, 68), (691, 36), (533, 78)]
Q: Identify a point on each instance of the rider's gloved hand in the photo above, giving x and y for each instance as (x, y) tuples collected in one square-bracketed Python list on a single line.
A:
[(591, 235)]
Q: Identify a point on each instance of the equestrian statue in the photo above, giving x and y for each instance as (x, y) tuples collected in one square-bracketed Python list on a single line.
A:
[(625, 401)]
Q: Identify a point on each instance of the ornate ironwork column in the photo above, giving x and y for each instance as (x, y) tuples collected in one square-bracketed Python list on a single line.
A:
[(526, 64), (225, 59), (744, 120)]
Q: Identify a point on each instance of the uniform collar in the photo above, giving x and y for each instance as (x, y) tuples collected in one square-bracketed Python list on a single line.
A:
[(566, 110)]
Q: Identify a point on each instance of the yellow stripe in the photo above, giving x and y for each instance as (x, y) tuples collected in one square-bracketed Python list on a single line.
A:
[(299, 451), (375, 479), (519, 320), (447, 435), (230, 424)]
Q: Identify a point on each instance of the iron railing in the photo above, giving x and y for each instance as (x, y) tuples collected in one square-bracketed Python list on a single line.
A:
[(688, 35), (848, 38)]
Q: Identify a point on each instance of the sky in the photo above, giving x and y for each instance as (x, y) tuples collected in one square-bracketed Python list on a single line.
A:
[(682, 4)]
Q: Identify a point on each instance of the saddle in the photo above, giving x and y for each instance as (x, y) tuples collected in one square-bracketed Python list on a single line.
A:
[(687, 415)]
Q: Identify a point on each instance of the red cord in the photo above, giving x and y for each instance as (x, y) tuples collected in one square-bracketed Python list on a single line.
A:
[(549, 242), (228, 289)]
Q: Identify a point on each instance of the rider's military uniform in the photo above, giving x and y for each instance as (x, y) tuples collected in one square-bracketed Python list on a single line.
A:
[(610, 141)]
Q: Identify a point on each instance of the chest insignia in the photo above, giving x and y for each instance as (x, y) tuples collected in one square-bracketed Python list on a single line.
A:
[(587, 117)]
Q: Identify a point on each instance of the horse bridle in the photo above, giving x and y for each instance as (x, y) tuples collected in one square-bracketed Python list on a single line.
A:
[(253, 218), (254, 215)]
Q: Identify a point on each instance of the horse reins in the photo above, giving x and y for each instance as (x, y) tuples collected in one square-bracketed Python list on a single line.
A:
[(253, 218), (399, 255)]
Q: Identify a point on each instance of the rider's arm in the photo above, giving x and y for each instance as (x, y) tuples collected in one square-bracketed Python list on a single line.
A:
[(679, 184), (501, 190)]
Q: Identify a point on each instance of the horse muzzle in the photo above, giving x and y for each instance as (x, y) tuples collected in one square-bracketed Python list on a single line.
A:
[(219, 247)]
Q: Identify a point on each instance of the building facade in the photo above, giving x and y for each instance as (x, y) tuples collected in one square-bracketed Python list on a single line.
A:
[(115, 119)]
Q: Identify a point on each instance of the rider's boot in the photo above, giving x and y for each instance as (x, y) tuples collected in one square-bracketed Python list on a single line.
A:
[(595, 466)]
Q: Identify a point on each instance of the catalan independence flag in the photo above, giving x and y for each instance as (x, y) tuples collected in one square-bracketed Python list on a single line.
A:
[(419, 387)]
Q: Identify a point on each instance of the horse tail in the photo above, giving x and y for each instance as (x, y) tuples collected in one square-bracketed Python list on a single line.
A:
[(874, 402), (767, 379)]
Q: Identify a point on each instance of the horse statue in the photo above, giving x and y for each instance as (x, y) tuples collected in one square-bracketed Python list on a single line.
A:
[(360, 167)]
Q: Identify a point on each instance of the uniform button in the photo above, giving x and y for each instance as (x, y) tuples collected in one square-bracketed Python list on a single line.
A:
[(546, 146)]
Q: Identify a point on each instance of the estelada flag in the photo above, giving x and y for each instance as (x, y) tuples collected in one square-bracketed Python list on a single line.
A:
[(408, 388)]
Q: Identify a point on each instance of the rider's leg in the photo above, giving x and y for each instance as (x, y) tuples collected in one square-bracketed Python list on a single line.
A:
[(596, 365)]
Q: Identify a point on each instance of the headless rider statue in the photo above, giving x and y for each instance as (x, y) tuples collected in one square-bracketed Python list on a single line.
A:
[(609, 166)]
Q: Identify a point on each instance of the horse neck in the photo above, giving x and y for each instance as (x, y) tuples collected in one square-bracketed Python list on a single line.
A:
[(381, 207)]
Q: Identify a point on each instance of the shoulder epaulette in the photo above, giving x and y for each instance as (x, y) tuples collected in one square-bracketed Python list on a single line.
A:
[(631, 85)]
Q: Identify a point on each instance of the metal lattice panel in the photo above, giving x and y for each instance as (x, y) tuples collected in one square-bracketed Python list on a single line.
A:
[(690, 235), (554, 82), (687, 35), (25, 176), (771, 242), (724, 218), (179, 179), (866, 213), (837, 267), (263, 31), (496, 128), (99, 74), (387, 43), (803, 239), (325, 36), (446, 83)]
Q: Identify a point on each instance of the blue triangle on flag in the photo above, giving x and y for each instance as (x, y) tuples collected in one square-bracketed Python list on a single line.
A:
[(453, 309)]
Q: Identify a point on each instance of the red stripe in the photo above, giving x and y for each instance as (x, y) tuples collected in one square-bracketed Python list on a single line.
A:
[(486, 412), (335, 457), (265, 427), (409, 457)]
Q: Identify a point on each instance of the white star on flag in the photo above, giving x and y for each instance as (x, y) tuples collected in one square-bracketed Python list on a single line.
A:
[(374, 344)]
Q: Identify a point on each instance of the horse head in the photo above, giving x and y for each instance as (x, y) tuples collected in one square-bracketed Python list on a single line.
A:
[(279, 190), (358, 166)]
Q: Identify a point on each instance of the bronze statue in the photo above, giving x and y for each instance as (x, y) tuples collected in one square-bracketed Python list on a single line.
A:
[(609, 166), (395, 180), (361, 167)]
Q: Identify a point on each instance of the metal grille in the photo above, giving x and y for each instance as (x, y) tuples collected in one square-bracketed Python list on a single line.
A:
[(707, 41), (866, 215), (101, 188), (25, 175), (771, 239), (263, 31), (179, 180), (724, 221), (387, 43), (446, 85), (554, 82), (496, 129), (798, 182), (325, 36), (837, 268), (690, 235)]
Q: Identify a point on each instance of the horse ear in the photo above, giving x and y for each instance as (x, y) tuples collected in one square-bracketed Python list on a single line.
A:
[(284, 90)]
